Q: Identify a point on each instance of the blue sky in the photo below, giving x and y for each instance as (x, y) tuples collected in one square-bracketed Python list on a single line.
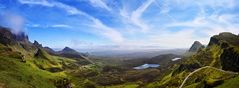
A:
[(120, 24)]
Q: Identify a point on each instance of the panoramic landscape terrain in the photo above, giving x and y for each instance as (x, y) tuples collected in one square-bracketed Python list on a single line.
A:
[(119, 44)]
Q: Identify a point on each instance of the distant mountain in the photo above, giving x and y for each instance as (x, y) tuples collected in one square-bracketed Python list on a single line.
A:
[(50, 50), (70, 53), (196, 46), (163, 59), (127, 54), (69, 50)]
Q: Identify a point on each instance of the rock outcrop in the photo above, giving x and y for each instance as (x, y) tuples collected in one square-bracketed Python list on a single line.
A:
[(230, 59), (37, 44), (6, 37), (229, 44), (196, 46)]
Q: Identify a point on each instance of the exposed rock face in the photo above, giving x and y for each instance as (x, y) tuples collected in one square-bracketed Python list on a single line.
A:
[(37, 44), (21, 37), (229, 43), (224, 37), (6, 37), (40, 54), (230, 60), (196, 46)]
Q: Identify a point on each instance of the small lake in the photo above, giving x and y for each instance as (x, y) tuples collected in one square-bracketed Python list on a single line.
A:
[(175, 59), (145, 66)]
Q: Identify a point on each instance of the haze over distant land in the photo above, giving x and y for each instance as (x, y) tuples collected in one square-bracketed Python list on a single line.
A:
[(120, 24), (119, 43)]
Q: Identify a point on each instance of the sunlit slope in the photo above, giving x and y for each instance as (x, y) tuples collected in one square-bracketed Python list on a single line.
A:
[(221, 56)]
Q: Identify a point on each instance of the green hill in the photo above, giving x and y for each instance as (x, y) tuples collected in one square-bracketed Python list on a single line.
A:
[(29, 65), (221, 53), (24, 65)]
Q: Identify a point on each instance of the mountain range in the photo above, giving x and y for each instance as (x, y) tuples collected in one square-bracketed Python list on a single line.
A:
[(26, 65)]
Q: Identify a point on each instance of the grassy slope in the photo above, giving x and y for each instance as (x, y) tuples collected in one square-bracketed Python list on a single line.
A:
[(206, 57), (198, 80), (17, 74), (231, 83)]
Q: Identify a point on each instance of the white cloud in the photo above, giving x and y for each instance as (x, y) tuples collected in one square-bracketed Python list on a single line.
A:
[(134, 17), (13, 21), (201, 28), (108, 32), (50, 26), (100, 3), (181, 39), (61, 26), (36, 2), (69, 9), (102, 29), (185, 4)]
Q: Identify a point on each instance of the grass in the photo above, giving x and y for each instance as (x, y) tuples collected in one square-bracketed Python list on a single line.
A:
[(231, 83), (208, 76), (124, 86), (15, 74)]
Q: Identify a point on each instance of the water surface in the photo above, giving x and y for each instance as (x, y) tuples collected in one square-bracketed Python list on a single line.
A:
[(145, 66)]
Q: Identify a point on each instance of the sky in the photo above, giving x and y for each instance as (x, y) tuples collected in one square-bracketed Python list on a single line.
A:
[(120, 24)]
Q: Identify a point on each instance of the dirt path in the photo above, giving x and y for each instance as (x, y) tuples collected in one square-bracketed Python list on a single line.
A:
[(184, 81)]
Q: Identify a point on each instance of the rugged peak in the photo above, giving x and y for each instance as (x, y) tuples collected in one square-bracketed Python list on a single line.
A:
[(196, 46), (70, 53), (37, 44), (225, 38), (6, 37), (68, 49), (21, 37), (225, 34)]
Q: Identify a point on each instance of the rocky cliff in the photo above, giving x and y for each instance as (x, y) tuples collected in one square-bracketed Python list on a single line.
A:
[(196, 46)]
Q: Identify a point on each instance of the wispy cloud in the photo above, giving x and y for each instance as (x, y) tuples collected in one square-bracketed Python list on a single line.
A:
[(61, 26), (13, 21), (101, 28), (134, 17), (69, 9), (201, 28), (108, 32), (135, 23), (100, 3), (50, 26), (36, 2)]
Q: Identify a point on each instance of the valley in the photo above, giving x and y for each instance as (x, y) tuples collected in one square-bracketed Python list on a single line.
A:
[(119, 44), (25, 65)]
